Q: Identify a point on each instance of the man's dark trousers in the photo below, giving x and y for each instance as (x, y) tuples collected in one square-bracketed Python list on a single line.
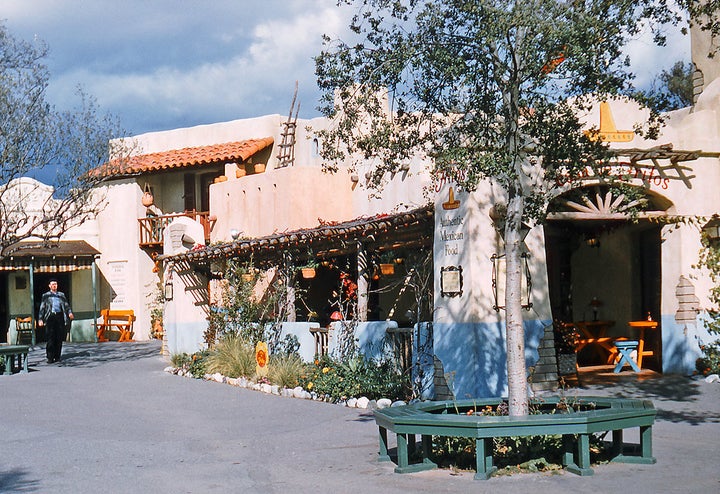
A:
[(56, 334)]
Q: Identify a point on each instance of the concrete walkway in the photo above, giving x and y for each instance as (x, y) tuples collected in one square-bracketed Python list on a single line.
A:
[(107, 419)]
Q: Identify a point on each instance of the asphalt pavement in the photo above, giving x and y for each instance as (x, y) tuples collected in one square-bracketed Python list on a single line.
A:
[(108, 419)]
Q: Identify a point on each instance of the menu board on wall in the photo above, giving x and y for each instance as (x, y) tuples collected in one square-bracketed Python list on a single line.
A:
[(117, 277)]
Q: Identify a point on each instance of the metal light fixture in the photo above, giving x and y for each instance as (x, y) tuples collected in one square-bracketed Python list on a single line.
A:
[(168, 290), (712, 229), (499, 278), (498, 215), (592, 241)]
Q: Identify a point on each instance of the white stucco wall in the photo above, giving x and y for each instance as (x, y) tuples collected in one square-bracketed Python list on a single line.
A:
[(123, 265)]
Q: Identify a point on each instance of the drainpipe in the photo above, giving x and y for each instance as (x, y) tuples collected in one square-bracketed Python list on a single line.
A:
[(32, 299), (94, 296)]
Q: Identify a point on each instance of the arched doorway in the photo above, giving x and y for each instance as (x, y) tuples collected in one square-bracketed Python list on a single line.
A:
[(606, 266)]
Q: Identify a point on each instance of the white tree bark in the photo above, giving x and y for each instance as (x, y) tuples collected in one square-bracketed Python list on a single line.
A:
[(515, 334)]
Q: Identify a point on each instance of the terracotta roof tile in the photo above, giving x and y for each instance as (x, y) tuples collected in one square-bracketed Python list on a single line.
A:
[(180, 158)]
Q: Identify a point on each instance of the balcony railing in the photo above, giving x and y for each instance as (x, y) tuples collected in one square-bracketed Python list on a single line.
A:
[(152, 227)]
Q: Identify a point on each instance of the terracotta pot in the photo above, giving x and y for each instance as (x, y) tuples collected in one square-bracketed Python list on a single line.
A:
[(259, 167), (240, 172), (147, 199), (221, 178), (387, 269), (308, 273)]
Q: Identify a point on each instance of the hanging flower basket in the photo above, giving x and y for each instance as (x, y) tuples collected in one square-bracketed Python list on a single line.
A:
[(387, 269)]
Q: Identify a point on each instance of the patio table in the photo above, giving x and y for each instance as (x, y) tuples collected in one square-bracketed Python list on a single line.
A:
[(594, 333)]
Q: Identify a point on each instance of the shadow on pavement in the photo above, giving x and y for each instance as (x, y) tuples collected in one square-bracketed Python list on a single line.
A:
[(677, 398), (95, 354), (16, 480)]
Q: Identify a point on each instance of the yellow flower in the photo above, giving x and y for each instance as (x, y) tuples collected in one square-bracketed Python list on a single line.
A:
[(326, 370), (309, 386)]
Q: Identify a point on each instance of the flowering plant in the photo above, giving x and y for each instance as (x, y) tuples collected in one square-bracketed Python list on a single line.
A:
[(566, 337)]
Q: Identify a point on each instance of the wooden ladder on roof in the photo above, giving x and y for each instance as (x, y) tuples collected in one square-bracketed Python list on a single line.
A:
[(286, 148)]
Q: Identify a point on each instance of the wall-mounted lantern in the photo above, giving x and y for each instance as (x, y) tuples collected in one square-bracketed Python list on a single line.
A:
[(168, 289), (499, 278), (498, 215), (712, 229)]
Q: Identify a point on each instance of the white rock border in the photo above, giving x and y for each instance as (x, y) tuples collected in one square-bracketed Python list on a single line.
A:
[(297, 392)]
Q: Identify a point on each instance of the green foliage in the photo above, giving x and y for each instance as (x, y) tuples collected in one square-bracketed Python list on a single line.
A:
[(671, 89), (709, 363), (233, 357), (245, 313), (195, 363), (516, 454), (354, 378), (566, 337), (37, 139), (709, 259), (285, 370), (492, 91)]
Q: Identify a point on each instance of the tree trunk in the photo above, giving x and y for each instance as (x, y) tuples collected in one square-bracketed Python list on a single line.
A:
[(515, 334)]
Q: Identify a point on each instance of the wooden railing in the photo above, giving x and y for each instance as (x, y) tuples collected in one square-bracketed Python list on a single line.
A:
[(152, 227)]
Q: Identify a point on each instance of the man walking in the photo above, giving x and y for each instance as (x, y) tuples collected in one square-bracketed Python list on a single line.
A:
[(55, 314)]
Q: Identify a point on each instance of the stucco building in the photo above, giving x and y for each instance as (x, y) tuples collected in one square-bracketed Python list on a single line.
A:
[(256, 189)]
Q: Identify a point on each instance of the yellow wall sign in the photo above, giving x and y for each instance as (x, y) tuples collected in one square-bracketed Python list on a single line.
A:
[(261, 359), (608, 132)]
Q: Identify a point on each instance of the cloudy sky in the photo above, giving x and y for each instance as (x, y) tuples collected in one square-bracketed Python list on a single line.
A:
[(165, 64)]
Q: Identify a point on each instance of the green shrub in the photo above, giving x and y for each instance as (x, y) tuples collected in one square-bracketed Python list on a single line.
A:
[(195, 363), (355, 378), (709, 363), (285, 370), (232, 357)]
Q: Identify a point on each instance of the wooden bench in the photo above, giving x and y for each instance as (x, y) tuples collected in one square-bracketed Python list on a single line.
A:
[(450, 419), (116, 320), (13, 354)]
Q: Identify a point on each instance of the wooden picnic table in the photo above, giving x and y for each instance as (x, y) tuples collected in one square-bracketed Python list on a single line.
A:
[(595, 333), (641, 326)]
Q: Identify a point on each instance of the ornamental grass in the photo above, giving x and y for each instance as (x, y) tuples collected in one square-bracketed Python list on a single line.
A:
[(285, 370), (232, 357)]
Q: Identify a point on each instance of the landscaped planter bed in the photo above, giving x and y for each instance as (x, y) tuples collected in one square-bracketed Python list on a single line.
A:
[(574, 421)]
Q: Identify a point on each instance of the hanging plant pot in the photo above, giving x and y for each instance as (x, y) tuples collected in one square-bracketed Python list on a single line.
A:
[(308, 273), (147, 197), (387, 269)]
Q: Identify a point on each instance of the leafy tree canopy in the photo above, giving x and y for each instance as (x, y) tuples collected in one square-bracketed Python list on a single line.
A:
[(672, 89), (491, 90), (34, 136)]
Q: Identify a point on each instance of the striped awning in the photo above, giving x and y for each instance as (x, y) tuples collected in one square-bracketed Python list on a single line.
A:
[(53, 257)]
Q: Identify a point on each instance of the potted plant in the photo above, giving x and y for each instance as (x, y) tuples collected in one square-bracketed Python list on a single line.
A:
[(308, 269), (387, 262), (566, 340)]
